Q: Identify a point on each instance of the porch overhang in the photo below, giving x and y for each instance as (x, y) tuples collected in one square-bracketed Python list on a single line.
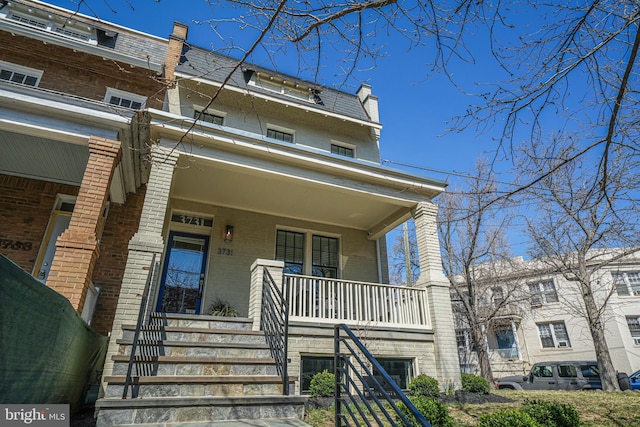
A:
[(45, 136), (236, 169)]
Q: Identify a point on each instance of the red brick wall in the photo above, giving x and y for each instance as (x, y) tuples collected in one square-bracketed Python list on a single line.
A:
[(122, 224), (79, 73), (25, 208)]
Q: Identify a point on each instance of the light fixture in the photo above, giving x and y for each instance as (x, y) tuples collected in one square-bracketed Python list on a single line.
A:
[(228, 233)]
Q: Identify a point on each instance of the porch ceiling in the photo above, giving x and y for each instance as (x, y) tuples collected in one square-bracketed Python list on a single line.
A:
[(42, 158), (278, 193)]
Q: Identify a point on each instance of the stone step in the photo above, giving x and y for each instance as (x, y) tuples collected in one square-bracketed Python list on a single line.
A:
[(197, 385), (199, 411), (202, 321), (196, 349), (168, 365), (191, 334)]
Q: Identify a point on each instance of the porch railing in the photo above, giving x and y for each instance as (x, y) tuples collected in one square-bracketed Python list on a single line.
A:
[(275, 324), (364, 390), (142, 315), (343, 301)]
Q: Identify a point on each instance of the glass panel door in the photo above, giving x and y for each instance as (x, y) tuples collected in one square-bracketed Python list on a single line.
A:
[(183, 273)]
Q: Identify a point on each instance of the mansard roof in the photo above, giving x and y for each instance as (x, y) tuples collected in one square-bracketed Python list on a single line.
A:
[(83, 33), (207, 65)]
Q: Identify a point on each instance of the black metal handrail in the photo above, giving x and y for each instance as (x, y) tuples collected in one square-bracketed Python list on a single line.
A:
[(352, 363), (274, 321), (139, 324)]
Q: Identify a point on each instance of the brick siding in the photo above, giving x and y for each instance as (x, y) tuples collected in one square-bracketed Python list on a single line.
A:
[(78, 73)]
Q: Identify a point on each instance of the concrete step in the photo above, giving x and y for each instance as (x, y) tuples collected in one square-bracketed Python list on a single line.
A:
[(266, 422), (193, 334), (200, 411), (197, 385), (196, 349), (202, 321), (168, 365)]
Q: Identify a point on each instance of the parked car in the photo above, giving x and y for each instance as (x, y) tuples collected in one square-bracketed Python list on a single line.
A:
[(569, 375), (634, 379)]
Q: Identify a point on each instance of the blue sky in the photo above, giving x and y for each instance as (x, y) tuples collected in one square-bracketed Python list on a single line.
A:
[(414, 110)]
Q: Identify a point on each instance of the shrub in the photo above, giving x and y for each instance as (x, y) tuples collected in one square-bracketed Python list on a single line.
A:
[(435, 412), (424, 385), (474, 383), (552, 414), (323, 384), (507, 418)]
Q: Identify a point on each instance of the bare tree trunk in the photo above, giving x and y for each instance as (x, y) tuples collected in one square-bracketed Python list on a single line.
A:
[(479, 339)]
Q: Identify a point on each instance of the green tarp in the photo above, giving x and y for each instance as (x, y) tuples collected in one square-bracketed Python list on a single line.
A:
[(48, 354)]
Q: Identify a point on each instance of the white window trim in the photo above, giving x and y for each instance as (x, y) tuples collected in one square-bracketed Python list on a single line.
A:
[(271, 126), (556, 342), (307, 263), (541, 292), (281, 86), (124, 95), (636, 339), (32, 72), (627, 282)]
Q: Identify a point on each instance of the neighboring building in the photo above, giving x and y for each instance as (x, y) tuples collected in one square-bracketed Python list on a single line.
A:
[(545, 321), (113, 152)]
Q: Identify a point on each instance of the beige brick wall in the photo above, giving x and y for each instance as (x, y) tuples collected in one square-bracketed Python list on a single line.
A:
[(228, 273)]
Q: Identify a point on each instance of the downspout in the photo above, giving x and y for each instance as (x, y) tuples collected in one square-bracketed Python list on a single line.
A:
[(379, 260)]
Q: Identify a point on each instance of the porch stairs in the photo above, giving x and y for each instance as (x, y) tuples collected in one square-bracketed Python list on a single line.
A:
[(197, 371)]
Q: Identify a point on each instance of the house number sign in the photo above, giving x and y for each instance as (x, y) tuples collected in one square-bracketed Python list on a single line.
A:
[(15, 245), (192, 220)]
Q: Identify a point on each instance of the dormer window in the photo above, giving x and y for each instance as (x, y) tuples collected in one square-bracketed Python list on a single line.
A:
[(18, 74), (60, 25), (284, 87), (124, 99)]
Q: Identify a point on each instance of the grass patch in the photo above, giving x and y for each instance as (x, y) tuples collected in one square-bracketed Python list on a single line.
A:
[(596, 408)]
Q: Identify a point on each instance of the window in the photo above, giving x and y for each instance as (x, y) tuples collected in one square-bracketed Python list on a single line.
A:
[(542, 371), (464, 341), (634, 327), (567, 371), (208, 117), (19, 74), (279, 135), (311, 365), (124, 99), (590, 371), (289, 88), (321, 259), (342, 151), (543, 293), (400, 370), (497, 296), (290, 249), (627, 283), (553, 334), (325, 257)]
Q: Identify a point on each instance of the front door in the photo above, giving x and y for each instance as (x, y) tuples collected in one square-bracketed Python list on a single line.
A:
[(58, 223), (183, 273)]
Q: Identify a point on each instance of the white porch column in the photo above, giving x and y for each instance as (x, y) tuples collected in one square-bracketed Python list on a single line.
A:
[(142, 246), (516, 340), (437, 286), (275, 268)]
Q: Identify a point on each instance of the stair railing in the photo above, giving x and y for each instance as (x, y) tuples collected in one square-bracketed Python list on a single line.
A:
[(141, 320), (359, 394), (274, 321)]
